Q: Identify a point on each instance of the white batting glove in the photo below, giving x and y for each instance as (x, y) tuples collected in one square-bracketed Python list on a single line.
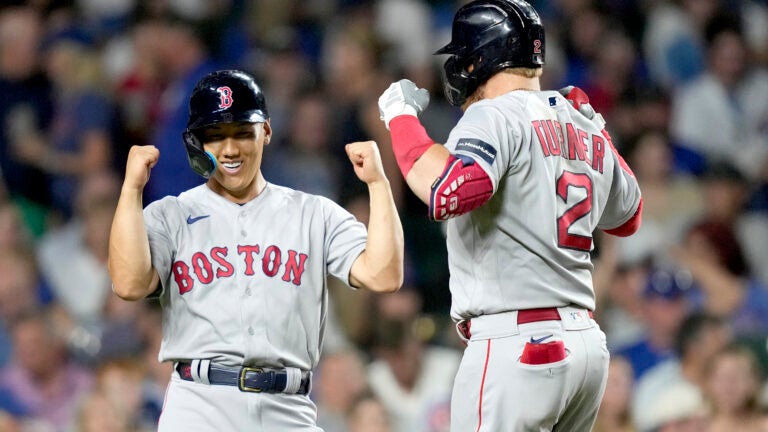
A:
[(402, 97)]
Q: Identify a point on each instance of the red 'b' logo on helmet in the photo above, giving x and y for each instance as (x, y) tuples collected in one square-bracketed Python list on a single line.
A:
[(225, 97)]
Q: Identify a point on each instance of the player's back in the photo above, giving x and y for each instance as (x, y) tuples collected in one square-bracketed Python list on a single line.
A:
[(556, 180)]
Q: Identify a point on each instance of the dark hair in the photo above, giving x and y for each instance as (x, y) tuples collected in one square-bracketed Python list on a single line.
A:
[(724, 241), (720, 23), (692, 328)]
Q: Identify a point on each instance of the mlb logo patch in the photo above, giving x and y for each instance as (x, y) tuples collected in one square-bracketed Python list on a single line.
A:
[(552, 101)]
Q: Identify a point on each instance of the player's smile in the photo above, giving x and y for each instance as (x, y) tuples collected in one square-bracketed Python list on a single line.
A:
[(238, 148), (231, 167)]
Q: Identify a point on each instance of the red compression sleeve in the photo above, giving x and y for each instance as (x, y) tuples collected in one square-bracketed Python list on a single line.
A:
[(409, 141), (631, 226)]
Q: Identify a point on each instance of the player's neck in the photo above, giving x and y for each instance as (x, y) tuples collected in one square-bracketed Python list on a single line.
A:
[(503, 83), (240, 196)]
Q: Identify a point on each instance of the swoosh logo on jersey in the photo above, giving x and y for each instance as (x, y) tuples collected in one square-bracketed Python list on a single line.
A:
[(541, 339), (191, 220)]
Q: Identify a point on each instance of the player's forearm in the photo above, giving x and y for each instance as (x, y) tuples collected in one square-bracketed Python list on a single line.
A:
[(420, 160), (130, 263), (383, 256)]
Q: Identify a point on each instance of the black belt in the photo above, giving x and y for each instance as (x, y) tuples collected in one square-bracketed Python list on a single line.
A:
[(247, 379)]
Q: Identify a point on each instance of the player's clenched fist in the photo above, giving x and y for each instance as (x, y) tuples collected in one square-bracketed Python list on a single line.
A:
[(366, 161), (141, 159), (402, 97)]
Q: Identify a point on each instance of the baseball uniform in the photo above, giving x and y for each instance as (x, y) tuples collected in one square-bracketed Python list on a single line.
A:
[(524, 180), (245, 285), (240, 265), (555, 180)]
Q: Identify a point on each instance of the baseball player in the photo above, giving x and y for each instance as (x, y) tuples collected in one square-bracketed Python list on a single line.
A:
[(525, 178), (240, 265)]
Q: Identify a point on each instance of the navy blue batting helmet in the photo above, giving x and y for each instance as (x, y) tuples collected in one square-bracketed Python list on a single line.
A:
[(488, 36), (224, 96)]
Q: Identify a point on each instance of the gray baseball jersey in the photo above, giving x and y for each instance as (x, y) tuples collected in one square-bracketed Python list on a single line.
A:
[(246, 284), (555, 179)]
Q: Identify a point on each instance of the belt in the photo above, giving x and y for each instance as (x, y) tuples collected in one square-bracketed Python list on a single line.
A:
[(248, 379), (544, 314), (524, 316)]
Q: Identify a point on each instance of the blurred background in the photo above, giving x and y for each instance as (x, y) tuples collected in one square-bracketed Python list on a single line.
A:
[(683, 85)]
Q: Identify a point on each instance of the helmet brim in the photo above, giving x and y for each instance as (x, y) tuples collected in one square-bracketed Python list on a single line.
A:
[(451, 48), (252, 116)]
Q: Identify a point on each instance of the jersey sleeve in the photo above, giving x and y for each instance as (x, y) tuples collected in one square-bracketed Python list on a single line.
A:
[(345, 239), (161, 246), (483, 135), (624, 198)]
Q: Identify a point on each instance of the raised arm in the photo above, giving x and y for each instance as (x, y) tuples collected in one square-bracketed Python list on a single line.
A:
[(380, 267), (448, 184), (130, 263)]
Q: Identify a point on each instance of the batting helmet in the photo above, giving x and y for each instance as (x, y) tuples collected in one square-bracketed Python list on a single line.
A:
[(225, 96), (488, 36)]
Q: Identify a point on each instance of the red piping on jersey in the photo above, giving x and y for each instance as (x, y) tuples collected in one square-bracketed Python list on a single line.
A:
[(482, 384), (409, 141), (631, 226)]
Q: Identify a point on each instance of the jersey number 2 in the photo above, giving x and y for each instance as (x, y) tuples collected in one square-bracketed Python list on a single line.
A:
[(573, 213)]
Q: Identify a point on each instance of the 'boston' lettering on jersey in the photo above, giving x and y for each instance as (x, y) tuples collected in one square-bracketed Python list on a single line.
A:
[(202, 265), (572, 145)]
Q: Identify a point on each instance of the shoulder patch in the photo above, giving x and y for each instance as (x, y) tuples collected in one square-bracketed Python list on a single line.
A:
[(477, 147)]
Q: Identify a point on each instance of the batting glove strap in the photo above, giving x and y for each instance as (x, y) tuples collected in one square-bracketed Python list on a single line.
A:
[(402, 98)]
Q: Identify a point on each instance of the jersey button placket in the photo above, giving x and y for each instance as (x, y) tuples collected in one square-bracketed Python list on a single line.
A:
[(241, 217)]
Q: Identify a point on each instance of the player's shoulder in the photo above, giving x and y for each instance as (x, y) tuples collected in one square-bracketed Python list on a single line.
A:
[(505, 107), (171, 203)]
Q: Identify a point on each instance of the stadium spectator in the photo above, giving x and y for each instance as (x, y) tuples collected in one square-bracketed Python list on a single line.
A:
[(722, 114), (615, 413), (72, 257), (78, 142), (183, 59), (672, 200), (699, 339), (732, 389), (409, 376), (40, 376), (340, 381), (368, 414), (26, 106), (713, 255), (679, 408), (665, 304)]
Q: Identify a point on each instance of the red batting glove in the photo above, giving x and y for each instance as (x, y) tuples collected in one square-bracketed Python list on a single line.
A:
[(579, 99)]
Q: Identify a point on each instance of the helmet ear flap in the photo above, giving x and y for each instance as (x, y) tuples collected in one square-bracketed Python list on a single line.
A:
[(201, 161)]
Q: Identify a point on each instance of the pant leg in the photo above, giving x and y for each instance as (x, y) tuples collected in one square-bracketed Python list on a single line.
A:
[(581, 413), (195, 407), (493, 391)]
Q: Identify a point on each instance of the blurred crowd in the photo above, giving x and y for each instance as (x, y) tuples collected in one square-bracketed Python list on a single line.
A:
[(683, 85)]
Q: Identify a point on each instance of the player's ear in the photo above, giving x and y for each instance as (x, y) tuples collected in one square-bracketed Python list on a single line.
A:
[(267, 131)]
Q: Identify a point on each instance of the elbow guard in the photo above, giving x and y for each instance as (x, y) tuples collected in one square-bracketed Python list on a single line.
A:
[(462, 187)]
